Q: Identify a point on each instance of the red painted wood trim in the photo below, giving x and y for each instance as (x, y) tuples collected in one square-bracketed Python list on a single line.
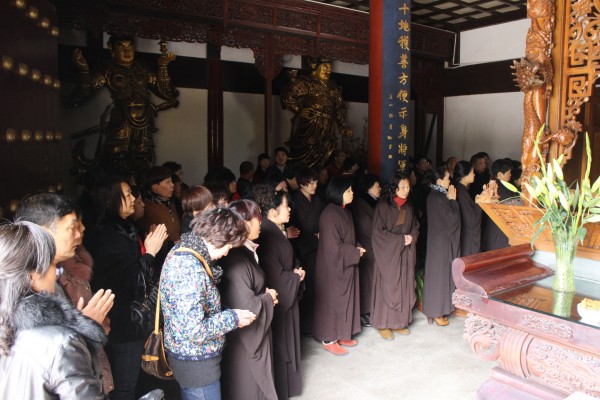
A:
[(375, 71)]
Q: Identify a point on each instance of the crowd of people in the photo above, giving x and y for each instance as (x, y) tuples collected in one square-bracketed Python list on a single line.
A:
[(244, 268)]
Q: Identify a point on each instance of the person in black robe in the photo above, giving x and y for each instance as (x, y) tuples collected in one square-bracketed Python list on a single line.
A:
[(493, 237), (277, 261), (443, 246), (337, 295), (470, 212), (479, 162), (395, 233), (306, 210), (247, 364), (362, 207)]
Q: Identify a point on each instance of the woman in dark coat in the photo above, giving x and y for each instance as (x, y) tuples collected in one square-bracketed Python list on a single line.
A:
[(277, 261), (395, 232), (119, 263), (362, 208), (306, 210), (470, 212), (247, 364), (337, 294), (443, 246)]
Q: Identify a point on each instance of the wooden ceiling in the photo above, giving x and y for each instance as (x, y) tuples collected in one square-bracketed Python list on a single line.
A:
[(452, 15)]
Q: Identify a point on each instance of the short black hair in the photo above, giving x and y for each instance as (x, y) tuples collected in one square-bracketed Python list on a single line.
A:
[(157, 174), (462, 169), (477, 156), (221, 175), (501, 165), (245, 167), (283, 149), (218, 191), (173, 166), (366, 182), (44, 209), (348, 163), (336, 188), (263, 156), (305, 176), (432, 176)]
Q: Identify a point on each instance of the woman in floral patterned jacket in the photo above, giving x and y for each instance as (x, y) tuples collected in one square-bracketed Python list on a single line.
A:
[(195, 323)]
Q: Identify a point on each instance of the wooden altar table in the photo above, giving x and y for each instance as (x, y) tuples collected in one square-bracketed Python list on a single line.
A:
[(543, 348)]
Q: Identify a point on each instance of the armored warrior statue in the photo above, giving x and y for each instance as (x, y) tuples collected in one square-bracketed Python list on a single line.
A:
[(319, 111), (126, 144)]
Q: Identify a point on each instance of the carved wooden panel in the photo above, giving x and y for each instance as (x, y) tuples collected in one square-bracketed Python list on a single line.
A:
[(517, 222), (297, 27), (575, 59)]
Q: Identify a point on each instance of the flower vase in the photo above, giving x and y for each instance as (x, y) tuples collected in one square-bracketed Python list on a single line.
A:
[(564, 247), (562, 303)]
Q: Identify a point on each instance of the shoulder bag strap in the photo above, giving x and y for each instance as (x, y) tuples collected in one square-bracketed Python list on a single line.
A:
[(199, 257)]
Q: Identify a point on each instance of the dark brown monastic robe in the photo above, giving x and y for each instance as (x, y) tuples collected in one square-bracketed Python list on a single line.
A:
[(277, 261), (470, 222), (337, 293), (362, 214), (493, 238), (305, 216), (443, 246), (247, 364), (394, 275)]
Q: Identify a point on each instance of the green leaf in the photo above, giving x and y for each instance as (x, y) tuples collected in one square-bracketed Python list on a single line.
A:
[(510, 186), (592, 203), (537, 233), (581, 234), (595, 210)]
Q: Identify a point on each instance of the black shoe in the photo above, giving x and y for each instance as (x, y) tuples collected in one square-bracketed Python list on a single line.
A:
[(365, 320)]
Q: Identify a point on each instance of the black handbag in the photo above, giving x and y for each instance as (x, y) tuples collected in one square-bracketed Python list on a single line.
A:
[(142, 308)]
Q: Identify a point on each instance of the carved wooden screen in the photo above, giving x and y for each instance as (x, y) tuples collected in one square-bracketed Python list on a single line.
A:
[(576, 59), (29, 98)]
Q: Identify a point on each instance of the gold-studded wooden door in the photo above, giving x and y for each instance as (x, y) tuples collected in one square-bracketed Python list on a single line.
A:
[(29, 100)]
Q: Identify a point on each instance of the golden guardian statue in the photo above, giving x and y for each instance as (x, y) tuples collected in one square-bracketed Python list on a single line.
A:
[(319, 112), (125, 131)]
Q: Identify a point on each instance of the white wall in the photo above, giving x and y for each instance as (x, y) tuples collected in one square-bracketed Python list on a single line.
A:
[(488, 122), (494, 43), (243, 129), (182, 134)]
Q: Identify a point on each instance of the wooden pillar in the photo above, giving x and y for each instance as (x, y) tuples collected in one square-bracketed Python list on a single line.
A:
[(389, 86), (375, 70), (215, 107)]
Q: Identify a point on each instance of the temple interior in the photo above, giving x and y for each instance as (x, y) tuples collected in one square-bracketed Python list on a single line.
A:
[(213, 87)]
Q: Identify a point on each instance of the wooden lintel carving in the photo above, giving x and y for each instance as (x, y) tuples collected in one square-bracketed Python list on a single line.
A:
[(301, 28)]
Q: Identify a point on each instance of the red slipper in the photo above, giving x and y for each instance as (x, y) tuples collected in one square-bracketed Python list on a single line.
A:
[(335, 348), (348, 343)]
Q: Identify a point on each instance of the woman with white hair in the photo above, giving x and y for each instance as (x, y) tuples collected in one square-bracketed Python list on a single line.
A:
[(48, 349)]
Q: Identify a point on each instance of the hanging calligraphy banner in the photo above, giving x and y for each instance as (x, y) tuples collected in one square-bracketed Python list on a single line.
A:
[(395, 87)]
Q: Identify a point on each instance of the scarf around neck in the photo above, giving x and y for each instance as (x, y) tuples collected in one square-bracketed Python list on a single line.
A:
[(438, 188)]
